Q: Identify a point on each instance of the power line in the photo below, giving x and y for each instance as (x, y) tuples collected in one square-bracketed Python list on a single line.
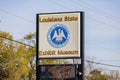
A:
[(99, 11), (20, 17), (102, 63), (107, 69), (93, 19), (96, 10), (63, 7), (85, 60), (17, 42), (103, 11)]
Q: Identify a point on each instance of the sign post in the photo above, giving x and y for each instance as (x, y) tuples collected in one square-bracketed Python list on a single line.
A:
[(60, 36)]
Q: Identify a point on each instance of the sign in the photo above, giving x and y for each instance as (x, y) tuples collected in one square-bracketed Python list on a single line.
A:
[(59, 72), (59, 35), (60, 50)]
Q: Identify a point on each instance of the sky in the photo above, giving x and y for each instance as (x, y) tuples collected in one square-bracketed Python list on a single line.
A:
[(101, 23)]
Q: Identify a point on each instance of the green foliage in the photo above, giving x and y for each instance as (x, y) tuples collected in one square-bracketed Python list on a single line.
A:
[(96, 75), (16, 60), (5, 48)]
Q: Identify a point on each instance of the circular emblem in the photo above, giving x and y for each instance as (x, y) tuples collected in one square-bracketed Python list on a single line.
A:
[(58, 35)]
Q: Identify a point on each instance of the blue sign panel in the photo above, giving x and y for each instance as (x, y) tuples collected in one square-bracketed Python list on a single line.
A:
[(58, 35)]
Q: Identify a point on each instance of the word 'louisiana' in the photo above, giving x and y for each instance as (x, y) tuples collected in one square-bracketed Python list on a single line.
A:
[(59, 19), (59, 52)]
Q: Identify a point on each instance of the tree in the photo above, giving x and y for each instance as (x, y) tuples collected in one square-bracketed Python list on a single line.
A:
[(114, 75), (96, 75), (31, 40), (16, 60), (6, 46), (89, 67)]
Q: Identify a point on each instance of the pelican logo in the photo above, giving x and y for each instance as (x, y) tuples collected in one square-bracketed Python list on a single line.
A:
[(58, 35)]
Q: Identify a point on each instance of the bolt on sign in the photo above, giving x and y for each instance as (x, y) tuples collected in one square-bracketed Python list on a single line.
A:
[(59, 35)]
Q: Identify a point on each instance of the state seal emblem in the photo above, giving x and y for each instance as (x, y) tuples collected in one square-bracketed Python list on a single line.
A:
[(58, 35)]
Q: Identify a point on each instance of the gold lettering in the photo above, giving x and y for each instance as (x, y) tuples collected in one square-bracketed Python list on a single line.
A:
[(61, 52), (70, 18), (47, 52), (50, 19), (41, 52), (58, 19)]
